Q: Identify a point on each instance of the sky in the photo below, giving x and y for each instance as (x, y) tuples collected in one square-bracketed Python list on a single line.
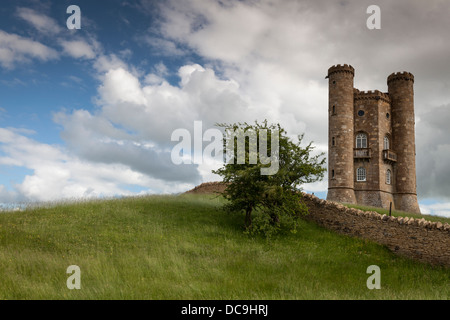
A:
[(90, 112)]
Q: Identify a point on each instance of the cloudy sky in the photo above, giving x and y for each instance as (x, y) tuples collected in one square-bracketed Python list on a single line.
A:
[(90, 112)]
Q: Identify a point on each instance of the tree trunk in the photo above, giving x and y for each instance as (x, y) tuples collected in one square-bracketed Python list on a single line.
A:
[(248, 218)]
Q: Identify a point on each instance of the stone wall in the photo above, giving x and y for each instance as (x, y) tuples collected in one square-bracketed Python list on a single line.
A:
[(414, 238)]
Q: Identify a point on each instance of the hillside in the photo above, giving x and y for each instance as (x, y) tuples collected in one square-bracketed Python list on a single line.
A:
[(406, 234), (184, 247)]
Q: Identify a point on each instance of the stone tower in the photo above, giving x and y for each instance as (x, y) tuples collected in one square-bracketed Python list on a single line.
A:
[(371, 142), (401, 93), (341, 133)]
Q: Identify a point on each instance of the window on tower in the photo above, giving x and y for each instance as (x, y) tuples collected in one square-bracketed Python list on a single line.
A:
[(361, 140), (361, 174), (388, 176), (386, 143)]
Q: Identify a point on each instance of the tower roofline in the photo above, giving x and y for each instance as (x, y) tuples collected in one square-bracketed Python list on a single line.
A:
[(341, 68), (371, 94), (408, 76)]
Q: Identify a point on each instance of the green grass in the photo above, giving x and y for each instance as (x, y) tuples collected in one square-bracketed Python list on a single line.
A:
[(397, 213), (184, 247)]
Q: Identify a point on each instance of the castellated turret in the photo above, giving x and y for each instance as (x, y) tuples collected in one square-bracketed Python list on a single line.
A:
[(341, 133), (401, 93), (371, 143)]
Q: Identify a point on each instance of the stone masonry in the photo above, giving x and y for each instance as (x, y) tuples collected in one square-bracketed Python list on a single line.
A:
[(371, 145), (413, 238)]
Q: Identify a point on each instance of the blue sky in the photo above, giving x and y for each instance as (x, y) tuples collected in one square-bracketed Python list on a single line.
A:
[(90, 112)]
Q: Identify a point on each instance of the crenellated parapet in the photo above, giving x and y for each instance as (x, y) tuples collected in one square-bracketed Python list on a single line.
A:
[(346, 68), (371, 94), (407, 76)]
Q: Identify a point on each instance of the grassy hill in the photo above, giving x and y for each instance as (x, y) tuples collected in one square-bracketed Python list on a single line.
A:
[(184, 247)]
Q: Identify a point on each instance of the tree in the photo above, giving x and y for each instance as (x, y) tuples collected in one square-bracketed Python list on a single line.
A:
[(269, 187)]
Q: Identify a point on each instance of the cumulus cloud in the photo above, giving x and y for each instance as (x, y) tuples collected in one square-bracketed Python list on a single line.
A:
[(97, 140), (17, 49), (137, 115), (153, 111), (127, 141), (59, 174), (135, 120)]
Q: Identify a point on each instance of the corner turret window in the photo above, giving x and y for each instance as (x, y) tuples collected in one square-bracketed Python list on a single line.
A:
[(388, 176), (361, 174), (361, 140), (386, 143)]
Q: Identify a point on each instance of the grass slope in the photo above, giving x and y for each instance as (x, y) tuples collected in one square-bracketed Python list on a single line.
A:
[(183, 247)]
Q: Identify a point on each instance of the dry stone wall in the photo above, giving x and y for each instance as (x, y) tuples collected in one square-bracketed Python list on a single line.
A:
[(414, 238)]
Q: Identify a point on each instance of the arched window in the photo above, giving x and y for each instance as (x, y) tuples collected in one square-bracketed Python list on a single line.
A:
[(386, 143), (388, 176), (332, 174), (361, 140), (361, 174)]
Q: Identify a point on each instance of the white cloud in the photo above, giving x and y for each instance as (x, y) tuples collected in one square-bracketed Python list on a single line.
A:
[(78, 49), (439, 209), (104, 63), (41, 22), (16, 49), (58, 174), (120, 86), (135, 121), (137, 116)]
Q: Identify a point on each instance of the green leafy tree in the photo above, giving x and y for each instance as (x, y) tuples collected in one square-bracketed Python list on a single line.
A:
[(268, 188)]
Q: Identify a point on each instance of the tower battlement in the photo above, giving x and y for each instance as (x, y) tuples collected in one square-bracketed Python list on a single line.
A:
[(371, 94), (341, 68), (400, 76), (371, 142)]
